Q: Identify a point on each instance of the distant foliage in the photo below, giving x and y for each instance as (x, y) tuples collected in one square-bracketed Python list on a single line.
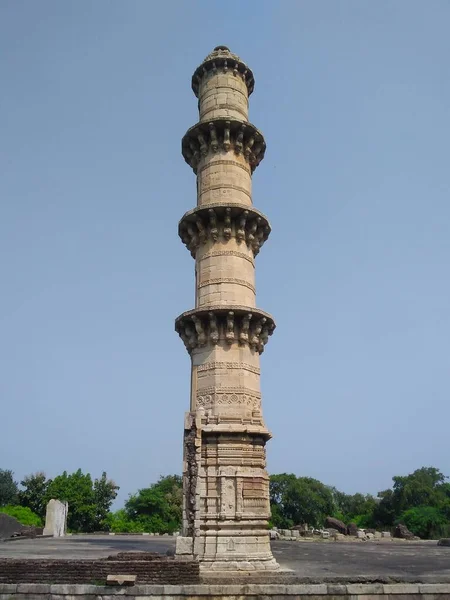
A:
[(420, 500), (297, 500), (9, 491), (158, 508), (89, 502), (34, 493), (428, 522), (24, 515), (120, 522)]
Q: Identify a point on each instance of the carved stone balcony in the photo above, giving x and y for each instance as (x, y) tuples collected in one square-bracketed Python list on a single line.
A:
[(221, 58), (224, 221), (234, 324), (223, 135)]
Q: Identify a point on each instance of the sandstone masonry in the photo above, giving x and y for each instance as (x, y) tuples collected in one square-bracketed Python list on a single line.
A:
[(226, 486)]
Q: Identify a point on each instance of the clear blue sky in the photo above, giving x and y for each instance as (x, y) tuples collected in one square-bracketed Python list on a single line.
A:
[(354, 100)]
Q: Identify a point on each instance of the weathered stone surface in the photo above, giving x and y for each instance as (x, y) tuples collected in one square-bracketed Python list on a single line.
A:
[(9, 526), (444, 542), (332, 523), (226, 485), (185, 545), (402, 532), (301, 527), (361, 534), (56, 518), (386, 534), (352, 529)]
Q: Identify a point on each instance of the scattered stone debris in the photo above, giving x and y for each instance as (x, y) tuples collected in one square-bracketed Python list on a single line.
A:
[(332, 523), (402, 532), (352, 529), (444, 542)]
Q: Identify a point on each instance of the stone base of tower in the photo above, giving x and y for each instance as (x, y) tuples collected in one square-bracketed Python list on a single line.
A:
[(216, 552), (226, 497), (224, 550)]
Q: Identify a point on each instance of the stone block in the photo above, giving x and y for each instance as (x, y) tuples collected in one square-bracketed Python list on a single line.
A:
[(401, 588), (336, 589), (33, 588), (434, 588), (56, 518), (308, 589), (385, 534), (444, 542), (120, 579), (365, 588), (360, 534), (184, 545)]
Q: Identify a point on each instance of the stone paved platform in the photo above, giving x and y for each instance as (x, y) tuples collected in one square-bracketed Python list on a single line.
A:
[(309, 561)]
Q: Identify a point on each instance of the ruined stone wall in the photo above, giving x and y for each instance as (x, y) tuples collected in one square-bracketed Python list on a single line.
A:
[(351, 591), (161, 571)]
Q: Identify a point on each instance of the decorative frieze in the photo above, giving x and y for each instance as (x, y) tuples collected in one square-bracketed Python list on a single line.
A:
[(238, 397), (222, 59), (224, 221), (241, 325), (214, 253), (224, 135), (211, 366)]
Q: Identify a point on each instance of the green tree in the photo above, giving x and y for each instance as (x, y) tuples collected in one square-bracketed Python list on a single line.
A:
[(297, 500), (420, 488), (354, 508), (158, 508), (120, 522), (420, 500), (105, 492), (426, 521), (34, 493), (8, 488), (77, 490)]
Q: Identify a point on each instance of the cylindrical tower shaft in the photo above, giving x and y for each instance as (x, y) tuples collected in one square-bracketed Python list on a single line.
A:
[(226, 486)]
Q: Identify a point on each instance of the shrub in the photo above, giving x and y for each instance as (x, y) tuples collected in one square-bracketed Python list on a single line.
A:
[(119, 522), (427, 522), (23, 514)]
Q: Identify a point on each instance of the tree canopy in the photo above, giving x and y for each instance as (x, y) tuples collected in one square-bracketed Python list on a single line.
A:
[(8, 488), (420, 500)]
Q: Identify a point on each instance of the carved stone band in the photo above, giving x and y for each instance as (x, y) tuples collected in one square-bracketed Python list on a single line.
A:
[(226, 61), (223, 135), (224, 221), (234, 324)]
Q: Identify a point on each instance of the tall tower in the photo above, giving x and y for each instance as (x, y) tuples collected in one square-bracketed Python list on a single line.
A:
[(226, 486)]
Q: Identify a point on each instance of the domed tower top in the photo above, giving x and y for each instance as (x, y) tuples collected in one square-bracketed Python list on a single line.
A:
[(222, 57)]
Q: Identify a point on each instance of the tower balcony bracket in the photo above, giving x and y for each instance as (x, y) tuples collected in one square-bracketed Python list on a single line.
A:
[(223, 221), (222, 135), (233, 324), (221, 58)]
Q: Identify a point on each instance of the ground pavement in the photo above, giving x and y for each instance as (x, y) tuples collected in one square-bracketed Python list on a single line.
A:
[(318, 561)]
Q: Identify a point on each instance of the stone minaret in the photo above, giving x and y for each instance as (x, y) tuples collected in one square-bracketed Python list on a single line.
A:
[(226, 486)]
